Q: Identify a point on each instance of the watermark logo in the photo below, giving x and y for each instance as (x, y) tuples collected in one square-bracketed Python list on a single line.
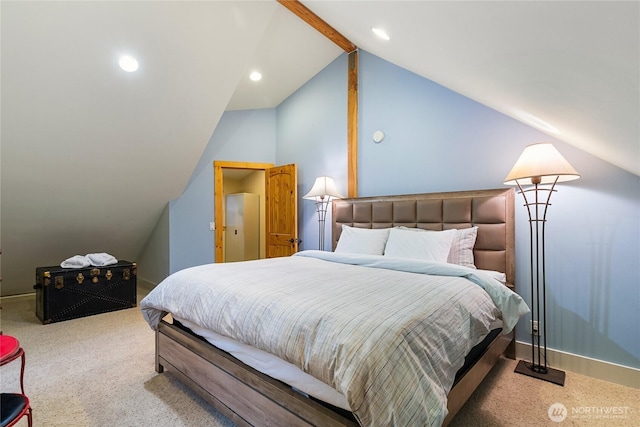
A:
[(557, 412)]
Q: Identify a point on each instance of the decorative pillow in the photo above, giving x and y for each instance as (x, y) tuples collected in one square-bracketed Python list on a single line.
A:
[(364, 241), (428, 246), (461, 252)]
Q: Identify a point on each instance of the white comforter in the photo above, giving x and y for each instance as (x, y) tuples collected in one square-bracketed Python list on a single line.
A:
[(389, 334)]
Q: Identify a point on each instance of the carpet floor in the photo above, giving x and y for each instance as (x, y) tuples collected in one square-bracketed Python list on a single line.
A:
[(99, 371)]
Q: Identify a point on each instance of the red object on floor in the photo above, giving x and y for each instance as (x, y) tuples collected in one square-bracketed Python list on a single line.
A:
[(13, 405), (9, 346)]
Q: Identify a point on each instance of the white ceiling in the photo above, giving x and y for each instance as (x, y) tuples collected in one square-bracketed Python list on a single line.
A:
[(91, 155), (288, 55)]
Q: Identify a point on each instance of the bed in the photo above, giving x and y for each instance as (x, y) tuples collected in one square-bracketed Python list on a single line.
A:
[(331, 353)]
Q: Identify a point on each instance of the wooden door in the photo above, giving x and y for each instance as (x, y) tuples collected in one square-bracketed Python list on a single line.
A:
[(282, 210)]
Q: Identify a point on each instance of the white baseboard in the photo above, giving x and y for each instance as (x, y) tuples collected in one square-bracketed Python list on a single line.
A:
[(30, 295), (607, 371)]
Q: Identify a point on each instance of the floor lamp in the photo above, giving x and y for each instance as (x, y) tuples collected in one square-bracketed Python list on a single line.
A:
[(539, 168), (323, 190)]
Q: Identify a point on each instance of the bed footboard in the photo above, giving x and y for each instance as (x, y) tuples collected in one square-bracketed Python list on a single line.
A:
[(461, 392), (244, 395), (250, 398)]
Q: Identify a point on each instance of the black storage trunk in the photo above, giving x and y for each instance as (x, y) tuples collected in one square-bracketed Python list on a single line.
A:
[(69, 293)]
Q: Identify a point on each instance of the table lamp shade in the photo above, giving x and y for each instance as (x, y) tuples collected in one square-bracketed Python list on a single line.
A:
[(323, 187)]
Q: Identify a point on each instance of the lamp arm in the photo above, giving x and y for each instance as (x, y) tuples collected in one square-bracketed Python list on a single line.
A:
[(535, 314), (544, 272), (548, 202)]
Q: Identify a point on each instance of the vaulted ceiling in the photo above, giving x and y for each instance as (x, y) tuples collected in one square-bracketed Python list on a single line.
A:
[(568, 68), (91, 154)]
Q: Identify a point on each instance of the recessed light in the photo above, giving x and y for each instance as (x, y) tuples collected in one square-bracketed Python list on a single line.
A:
[(255, 76), (381, 33), (128, 63)]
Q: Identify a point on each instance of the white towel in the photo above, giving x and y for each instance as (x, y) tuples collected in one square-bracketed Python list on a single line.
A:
[(77, 261), (101, 259)]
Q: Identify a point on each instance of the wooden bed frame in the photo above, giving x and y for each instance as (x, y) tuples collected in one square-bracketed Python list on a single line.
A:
[(250, 398)]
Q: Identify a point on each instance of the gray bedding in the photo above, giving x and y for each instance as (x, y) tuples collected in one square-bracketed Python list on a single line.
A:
[(389, 334)]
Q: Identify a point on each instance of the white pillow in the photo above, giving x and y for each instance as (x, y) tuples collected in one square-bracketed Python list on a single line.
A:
[(461, 252), (428, 246), (365, 241)]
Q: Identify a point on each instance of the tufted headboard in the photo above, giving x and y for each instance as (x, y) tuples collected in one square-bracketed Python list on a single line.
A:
[(490, 210)]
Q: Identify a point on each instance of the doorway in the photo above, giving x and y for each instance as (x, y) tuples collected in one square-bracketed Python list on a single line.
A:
[(279, 235), (235, 178)]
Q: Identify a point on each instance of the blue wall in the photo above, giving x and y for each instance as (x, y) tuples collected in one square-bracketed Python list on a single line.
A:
[(438, 140), (242, 136), (312, 132)]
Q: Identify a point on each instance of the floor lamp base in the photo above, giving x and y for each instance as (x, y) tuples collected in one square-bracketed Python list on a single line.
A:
[(552, 375)]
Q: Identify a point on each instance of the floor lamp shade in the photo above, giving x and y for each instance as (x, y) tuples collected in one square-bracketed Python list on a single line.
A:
[(540, 166), (323, 190), (542, 163)]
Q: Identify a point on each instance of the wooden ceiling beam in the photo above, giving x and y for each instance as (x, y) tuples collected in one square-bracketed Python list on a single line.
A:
[(319, 24), (352, 125), (328, 31)]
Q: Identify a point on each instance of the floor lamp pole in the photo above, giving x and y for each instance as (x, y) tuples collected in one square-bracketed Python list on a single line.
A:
[(322, 204), (538, 367)]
